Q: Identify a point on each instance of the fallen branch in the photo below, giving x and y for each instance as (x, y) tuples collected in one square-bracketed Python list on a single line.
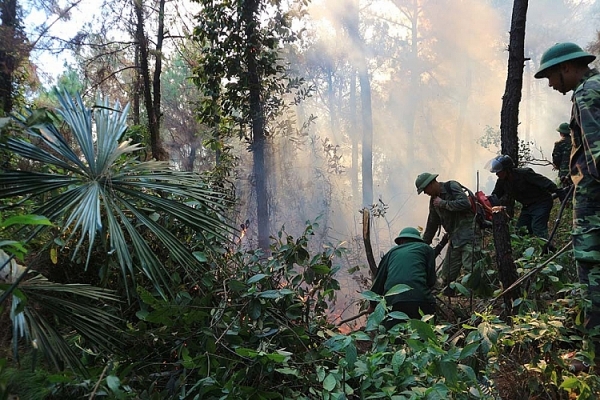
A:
[(342, 322)]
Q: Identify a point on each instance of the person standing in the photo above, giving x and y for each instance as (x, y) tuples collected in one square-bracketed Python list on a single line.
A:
[(410, 262), (565, 65), (561, 154), (534, 192), (450, 208)]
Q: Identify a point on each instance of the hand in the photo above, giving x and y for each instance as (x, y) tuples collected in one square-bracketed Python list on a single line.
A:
[(437, 201)]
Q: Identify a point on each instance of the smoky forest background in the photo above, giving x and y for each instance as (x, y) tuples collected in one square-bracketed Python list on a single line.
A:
[(194, 195)]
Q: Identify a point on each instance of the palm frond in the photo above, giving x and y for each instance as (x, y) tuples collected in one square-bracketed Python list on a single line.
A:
[(98, 189), (64, 302)]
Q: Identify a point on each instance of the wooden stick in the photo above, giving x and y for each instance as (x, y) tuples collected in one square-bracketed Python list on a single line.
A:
[(367, 241)]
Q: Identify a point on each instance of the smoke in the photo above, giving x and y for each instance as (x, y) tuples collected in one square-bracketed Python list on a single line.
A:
[(438, 73)]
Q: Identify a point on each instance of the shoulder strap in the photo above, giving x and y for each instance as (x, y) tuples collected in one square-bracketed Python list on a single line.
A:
[(464, 188)]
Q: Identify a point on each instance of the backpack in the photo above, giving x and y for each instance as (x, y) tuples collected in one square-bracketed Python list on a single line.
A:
[(480, 205)]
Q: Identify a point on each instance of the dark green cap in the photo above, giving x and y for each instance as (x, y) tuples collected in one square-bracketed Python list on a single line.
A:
[(408, 233)]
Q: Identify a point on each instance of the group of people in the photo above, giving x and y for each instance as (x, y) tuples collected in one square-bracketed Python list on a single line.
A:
[(576, 156)]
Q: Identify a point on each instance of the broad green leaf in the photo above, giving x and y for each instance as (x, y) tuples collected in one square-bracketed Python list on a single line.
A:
[(367, 294), (288, 371), (270, 294), (25, 220), (338, 342), (351, 354), (320, 269), (398, 359), (255, 309), (376, 317), (200, 256), (570, 383), (256, 278), (397, 289), (450, 371), (113, 383), (424, 330), (246, 352), (399, 315), (468, 350), (329, 382)]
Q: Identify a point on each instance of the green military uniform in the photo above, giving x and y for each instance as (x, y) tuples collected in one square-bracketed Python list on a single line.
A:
[(560, 157), (585, 173), (411, 263), (457, 218)]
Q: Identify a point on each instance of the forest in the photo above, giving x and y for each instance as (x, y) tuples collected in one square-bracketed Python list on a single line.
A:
[(195, 195)]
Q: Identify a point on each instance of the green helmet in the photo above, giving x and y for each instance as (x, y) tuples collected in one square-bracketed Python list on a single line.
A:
[(561, 52), (423, 180), (408, 233), (564, 128)]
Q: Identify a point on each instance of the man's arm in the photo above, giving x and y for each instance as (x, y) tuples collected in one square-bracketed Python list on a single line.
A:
[(433, 224), (458, 200), (588, 102), (499, 191)]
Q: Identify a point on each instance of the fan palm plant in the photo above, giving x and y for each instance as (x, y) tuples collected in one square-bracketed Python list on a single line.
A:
[(101, 197), (79, 307)]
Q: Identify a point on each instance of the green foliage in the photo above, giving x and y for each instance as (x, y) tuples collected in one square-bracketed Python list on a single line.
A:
[(229, 44), (255, 327), (14, 247), (253, 336), (104, 199)]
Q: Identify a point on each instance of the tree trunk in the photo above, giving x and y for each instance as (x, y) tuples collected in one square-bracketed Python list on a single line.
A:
[(354, 135), (249, 11), (8, 37), (509, 122), (509, 117), (136, 90), (367, 129), (152, 105), (360, 62)]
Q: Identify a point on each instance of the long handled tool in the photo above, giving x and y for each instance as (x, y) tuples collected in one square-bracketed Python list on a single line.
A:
[(563, 204)]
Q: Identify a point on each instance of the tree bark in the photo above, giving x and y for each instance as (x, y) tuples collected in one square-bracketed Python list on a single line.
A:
[(354, 135), (151, 104), (8, 37), (360, 63), (249, 12), (509, 116), (509, 123)]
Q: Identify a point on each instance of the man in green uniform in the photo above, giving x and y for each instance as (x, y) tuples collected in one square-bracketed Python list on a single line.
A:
[(532, 190), (412, 263), (450, 208), (561, 154), (566, 67)]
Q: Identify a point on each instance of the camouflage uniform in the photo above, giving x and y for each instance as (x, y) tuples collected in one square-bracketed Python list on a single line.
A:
[(458, 219), (560, 159), (585, 173)]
